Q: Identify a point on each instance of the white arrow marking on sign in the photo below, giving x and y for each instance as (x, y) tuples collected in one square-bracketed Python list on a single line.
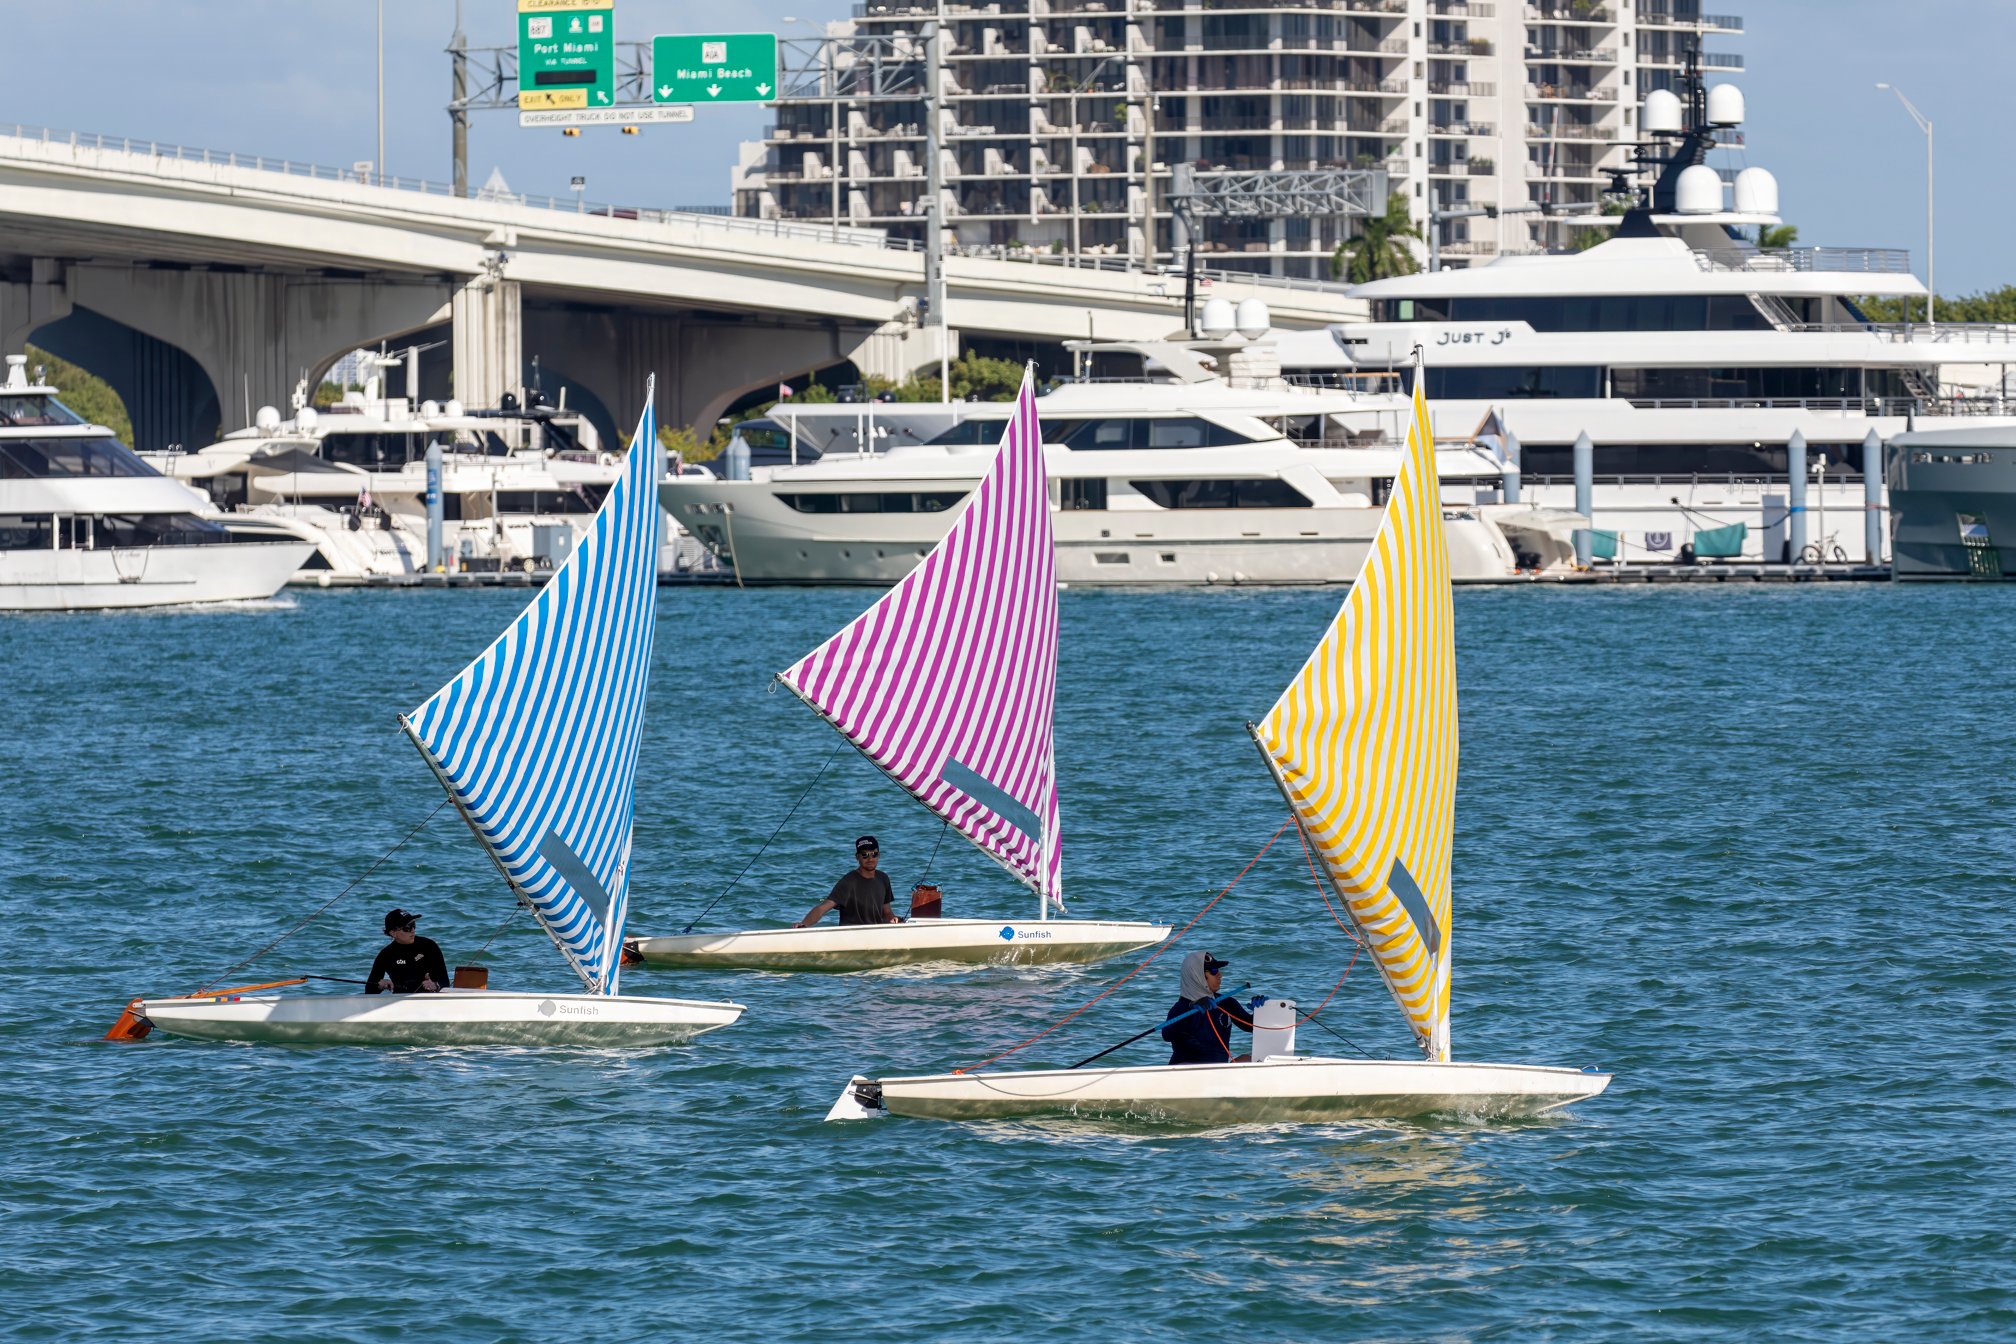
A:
[(713, 90), (664, 90), (601, 96), (763, 88)]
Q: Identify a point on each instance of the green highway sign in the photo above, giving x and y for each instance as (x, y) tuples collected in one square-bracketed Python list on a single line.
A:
[(566, 54), (714, 68)]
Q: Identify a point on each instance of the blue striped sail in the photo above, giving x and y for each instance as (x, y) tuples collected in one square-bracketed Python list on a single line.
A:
[(536, 741)]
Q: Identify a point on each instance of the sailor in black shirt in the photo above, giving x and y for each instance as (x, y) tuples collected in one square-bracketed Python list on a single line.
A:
[(862, 896), (409, 964)]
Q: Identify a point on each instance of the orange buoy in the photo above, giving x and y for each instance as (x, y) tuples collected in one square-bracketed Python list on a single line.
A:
[(130, 1026)]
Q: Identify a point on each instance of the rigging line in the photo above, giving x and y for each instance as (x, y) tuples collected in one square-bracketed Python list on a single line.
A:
[(324, 907), (517, 908), (934, 848), (1342, 1037), (773, 836), (1164, 946)]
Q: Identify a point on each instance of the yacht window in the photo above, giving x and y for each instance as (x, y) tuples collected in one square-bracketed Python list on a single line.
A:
[(1114, 435), (155, 529), (378, 452), (861, 501), (1269, 493), (579, 499), (24, 533), (1489, 382), (1081, 492), (39, 459), (1759, 384), (34, 412), (971, 432)]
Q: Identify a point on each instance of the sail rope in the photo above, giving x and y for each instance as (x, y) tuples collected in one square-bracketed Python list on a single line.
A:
[(1164, 946), (517, 909), (324, 908), (773, 836)]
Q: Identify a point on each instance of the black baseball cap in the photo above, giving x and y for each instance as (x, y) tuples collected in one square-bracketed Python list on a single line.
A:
[(399, 919), (867, 842), (1212, 963)]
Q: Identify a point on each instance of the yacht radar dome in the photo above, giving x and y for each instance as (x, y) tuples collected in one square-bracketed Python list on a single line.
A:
[(1662, 113), (1698, 192), (1756, 192), (305, 418), (1216, 319), (1252, 319), (267, 420), (430, 408), (1725, 105), (452, 410)]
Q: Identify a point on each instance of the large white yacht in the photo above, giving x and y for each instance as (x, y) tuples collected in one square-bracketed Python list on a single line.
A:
[(1687, 354), (518, 484), (1168, 472), (84, 523)]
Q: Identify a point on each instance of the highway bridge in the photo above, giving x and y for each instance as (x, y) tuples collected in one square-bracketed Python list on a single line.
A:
[(153, 263)]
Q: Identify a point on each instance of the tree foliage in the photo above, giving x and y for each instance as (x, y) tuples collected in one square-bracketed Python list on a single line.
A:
[(84, 392), (1379, 249), (1990, 305), (1777, 235)]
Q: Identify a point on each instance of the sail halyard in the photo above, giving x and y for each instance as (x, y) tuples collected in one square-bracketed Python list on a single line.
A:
[(536, 741), (948, 682), (1363, 745)]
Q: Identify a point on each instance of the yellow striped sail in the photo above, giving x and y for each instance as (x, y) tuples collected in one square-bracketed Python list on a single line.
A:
[(1363, 744)]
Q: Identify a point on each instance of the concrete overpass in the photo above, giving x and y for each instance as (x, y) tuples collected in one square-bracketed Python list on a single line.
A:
[(262, 272)]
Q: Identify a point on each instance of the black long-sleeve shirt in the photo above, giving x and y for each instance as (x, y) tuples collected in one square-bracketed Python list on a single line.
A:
[(408, 964), (1206, 1037)]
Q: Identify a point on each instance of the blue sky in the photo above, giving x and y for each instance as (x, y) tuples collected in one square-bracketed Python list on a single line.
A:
[(296, 79)]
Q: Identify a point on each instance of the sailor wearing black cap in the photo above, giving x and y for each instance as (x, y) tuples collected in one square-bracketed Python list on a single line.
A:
[(863, 895), (1204, 1037), (409, 964)]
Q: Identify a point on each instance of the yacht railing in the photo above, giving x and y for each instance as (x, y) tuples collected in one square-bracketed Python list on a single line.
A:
[(1872, 406), (1867, 260)]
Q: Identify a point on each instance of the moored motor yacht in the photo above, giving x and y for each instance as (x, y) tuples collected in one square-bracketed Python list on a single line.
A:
[(1687, 353), (518, 484), (1171, 462), (84, 523)]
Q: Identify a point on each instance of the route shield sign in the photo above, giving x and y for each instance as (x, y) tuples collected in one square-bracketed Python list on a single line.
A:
[(566, 54), (714, 68)]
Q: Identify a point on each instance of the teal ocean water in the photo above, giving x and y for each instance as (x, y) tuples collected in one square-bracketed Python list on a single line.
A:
[(1749, 848)]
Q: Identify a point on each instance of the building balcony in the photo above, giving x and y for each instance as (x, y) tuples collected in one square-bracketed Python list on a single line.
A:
[(1570, 132), (1562, 56), (1574, 11), (1441, 89), (1474, 46), (1652, 17), (1461, 9), (1462, 128), (1566, 93)]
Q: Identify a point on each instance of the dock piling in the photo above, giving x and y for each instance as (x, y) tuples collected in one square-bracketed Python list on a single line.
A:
[(434, 508), (1872, 497), (1585, 490), (1795, 507)]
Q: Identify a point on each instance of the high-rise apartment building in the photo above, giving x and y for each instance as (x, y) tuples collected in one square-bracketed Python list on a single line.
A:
[(1061, 119)]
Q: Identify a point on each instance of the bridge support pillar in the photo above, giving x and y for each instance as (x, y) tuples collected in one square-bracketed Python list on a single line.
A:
[(257, 335), (35, 302), (488, 316)]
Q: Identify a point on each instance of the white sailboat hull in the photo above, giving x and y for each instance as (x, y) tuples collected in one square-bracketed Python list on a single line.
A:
[(1274, 1091), (452, 1017), (866, 947)]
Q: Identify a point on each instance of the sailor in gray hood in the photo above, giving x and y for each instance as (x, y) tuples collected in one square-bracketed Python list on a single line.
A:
[(1204, 1037)]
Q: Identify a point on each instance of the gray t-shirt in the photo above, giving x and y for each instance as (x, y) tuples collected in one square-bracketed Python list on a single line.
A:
[(860, 899)]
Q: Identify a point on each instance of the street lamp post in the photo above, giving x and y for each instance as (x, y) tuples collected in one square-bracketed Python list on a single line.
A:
[(1925, 125)]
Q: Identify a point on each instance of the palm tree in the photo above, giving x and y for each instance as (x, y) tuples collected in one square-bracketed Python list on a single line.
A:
[(1377, 251), (1777, 235)]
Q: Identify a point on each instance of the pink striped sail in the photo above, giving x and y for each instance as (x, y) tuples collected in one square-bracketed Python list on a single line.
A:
[(949, 681)]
